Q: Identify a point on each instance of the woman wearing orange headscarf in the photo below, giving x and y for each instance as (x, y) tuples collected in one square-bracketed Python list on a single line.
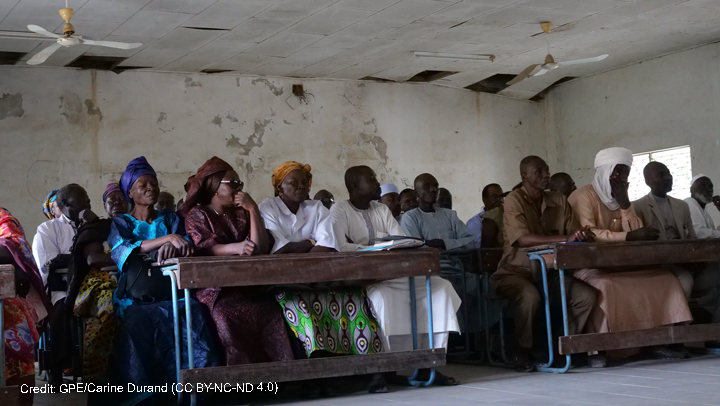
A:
[(341, 321), (29, 306)]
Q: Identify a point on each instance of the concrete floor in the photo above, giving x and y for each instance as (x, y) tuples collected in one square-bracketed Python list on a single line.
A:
[(653, 383)]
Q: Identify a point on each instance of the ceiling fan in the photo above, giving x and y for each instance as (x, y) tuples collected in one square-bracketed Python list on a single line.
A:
[(68, 39), (550, 64)]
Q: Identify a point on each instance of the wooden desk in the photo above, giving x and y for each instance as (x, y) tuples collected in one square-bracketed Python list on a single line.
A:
[(201, 272), (625, 254), (9, 395)]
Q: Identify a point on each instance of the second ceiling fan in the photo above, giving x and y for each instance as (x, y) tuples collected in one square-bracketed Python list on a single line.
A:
[(550, 64)]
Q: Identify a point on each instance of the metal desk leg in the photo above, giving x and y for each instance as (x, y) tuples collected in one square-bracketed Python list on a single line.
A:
[(431, 330), (2, 344), (413, 322), (190, 346), (537, 256), (176, 327)]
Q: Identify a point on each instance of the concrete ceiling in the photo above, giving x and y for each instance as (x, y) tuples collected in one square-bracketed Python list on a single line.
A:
[(354, 39)]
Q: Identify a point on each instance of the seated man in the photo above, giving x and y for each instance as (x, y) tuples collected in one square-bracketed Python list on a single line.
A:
[(669, 215), (641, 299), (701, 194), (562, 183), (534, 216), (444, 199), (390, 197), (491, 235), (408, 200), (51, 250), (357, 223), (326, 198)]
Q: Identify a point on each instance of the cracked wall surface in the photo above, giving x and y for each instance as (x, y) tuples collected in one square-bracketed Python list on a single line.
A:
[(60, 126)]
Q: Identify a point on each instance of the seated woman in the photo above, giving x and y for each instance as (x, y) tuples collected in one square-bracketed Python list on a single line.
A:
[(145, 349), (222, 220), (21, 313), (341, 322)]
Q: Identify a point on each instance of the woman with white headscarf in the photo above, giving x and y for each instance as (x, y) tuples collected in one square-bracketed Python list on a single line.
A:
[(641, 299)]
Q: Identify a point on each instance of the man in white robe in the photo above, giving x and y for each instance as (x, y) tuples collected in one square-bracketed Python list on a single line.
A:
[(358, 223)]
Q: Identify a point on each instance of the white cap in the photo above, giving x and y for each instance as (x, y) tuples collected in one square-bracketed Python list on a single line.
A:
[(388, 188), (696, 177)]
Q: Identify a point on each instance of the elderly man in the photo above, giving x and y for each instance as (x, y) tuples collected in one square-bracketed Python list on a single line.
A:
[(491, 235), (51, 249), (534, 216), (562, 183), (636, 300), (701, 194), (390, 197), (669, 215), (358, 223), (326, 198)]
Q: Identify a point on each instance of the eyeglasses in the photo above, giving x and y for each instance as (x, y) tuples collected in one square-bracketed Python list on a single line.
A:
[(235, 184)]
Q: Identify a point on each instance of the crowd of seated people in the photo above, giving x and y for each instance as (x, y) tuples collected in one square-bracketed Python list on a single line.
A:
[(128, 322)]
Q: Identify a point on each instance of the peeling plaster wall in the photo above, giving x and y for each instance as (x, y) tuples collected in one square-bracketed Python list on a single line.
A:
[(59, 126), (662, 103)]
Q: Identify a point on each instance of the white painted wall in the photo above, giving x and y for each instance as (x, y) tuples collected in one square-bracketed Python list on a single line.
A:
[(59, 126), (662, 103)]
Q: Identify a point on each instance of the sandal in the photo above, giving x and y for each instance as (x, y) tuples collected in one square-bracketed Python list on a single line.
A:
[(444, 380), (523, 361)]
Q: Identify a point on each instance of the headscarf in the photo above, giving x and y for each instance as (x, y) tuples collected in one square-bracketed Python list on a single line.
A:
[(388, 188), (135, 169), (605, 161), (198, 185), (12, 237), (282, 171), (111, 188), (696, 177), (47, 204)]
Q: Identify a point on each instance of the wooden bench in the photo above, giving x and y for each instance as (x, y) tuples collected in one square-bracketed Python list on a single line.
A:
[(9, 395), (567, 257), (204, 272)]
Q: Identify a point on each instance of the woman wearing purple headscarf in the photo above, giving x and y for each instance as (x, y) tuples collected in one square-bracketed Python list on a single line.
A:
[(144, 352)]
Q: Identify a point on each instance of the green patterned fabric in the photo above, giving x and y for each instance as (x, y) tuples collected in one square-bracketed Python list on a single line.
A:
[(338, 322)]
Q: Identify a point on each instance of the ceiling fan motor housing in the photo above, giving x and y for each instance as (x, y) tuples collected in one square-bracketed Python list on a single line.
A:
[(68, 29)]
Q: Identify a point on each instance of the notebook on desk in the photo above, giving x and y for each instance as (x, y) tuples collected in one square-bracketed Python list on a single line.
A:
[(393, 242)]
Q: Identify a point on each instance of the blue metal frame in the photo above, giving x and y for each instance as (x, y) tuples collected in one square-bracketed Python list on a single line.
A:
[(170, 271), (537, 256), (431, 330)]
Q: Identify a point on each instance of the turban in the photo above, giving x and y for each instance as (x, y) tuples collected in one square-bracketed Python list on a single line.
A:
[(196, 183), (283, 169), (47, 204), (696, 177), (605, 162), (111, 188), (388, 188), (135, 169)]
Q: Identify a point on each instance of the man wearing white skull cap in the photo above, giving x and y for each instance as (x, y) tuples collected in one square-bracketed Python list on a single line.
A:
[(636, 300)]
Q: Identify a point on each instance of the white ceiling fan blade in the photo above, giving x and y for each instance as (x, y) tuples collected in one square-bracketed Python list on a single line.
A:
[(523, 75), (24, 35), (43, 31), (541, 72), (43, 55), (587, 60), (111, 44)]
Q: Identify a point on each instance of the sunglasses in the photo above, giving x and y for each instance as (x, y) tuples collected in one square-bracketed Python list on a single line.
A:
[(234, 184)]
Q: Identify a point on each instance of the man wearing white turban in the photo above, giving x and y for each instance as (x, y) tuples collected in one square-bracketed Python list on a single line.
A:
[(641, 299)]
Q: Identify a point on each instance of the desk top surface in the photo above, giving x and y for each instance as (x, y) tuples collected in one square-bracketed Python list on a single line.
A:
[(636, 253)]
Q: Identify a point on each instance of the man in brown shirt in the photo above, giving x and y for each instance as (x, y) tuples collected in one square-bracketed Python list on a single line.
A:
[(534, 216)]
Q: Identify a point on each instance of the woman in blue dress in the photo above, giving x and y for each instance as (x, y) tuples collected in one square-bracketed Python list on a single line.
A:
[(144, 352)]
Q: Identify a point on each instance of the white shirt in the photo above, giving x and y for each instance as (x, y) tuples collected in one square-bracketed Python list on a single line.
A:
[(440, 224), (702, 222), (363, 227), (311, 221), (53, 237)]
